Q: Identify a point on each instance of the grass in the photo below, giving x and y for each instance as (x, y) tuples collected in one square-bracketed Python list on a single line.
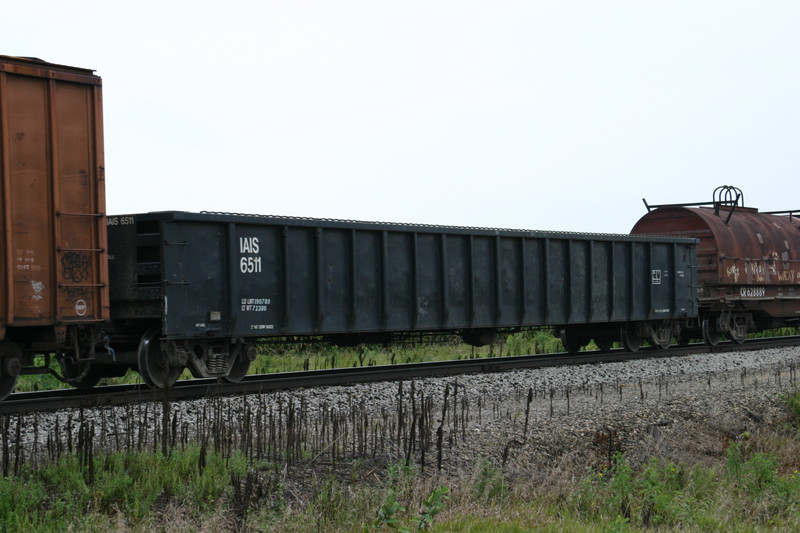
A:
[(753, 486), (314, 356), (747, 490), (131, 487)]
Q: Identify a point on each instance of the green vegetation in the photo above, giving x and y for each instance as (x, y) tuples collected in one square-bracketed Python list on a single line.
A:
[(753, 486), (431, 507), (747, 490), (315, 356), (118, 488)]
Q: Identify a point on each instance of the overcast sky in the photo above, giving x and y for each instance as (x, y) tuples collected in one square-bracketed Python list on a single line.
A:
[(556, 115)]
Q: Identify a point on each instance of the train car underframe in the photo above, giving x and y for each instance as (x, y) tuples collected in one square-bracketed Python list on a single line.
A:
[(710, 327), (632, 335), (76, 347), (732, 311), (161, 361), (87, 352)]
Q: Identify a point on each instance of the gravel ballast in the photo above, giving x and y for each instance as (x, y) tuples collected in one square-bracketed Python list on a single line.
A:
[(534, 419)]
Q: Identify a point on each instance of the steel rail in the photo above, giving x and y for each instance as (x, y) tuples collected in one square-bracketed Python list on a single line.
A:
[(117, 395)]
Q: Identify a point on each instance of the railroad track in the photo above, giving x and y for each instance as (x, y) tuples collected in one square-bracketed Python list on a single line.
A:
[(115, 395)]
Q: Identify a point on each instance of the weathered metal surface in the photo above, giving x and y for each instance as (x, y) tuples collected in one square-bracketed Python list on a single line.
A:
[(248, 276), (743, 257), (53, 268)]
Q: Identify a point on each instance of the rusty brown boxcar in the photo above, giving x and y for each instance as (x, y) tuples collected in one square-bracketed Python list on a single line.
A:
[(53, 271), (748, 263)]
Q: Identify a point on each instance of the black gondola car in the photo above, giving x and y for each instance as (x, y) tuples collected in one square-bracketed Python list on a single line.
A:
[(197, 290)]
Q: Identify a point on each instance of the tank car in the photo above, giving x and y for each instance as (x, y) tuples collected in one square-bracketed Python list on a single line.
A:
[(748, 263), (53, 264)]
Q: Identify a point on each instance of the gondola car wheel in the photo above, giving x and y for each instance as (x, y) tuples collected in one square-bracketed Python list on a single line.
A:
[(247, 354), (238, 370), (153, 365), (572, 339), (631, 337)]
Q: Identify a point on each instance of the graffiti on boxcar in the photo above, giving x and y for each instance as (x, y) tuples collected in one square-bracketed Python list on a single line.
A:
[(79, 297), (76, 266), (76, 293), (38, 288)]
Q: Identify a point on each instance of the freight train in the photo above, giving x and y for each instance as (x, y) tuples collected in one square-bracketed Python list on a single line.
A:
[(162, 292)]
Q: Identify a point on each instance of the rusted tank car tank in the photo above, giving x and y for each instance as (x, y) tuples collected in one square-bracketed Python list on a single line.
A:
[(53, 266), (748, 263)]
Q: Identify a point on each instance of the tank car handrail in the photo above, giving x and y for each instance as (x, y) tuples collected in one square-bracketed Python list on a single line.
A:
[(689, 204), (716, 206), (792, 214), (723, 196)]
